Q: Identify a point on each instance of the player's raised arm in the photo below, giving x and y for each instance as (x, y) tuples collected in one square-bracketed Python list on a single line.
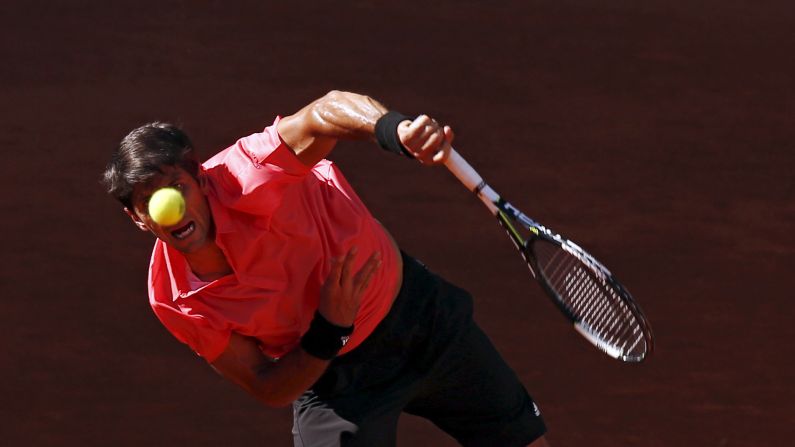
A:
[(314, 130)]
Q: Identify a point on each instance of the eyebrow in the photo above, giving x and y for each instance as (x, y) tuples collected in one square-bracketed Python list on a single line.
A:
[(175, 175)]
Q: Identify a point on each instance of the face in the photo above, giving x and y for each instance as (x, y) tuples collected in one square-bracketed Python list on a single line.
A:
[(190, 234)]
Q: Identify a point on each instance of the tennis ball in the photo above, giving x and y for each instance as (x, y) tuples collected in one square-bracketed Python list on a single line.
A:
[(166, 206)]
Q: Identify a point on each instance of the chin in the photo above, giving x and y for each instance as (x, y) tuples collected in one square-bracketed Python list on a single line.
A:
[(188, 247), (191, 245)]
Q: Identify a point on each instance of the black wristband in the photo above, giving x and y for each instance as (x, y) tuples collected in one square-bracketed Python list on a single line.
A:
[(386, 133), (324, 339)]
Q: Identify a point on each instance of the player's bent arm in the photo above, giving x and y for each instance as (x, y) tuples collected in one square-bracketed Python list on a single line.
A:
[(274, 383), (278, 383), (314, 130)]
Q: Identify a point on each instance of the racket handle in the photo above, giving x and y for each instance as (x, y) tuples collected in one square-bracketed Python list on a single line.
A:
[(471, 179)]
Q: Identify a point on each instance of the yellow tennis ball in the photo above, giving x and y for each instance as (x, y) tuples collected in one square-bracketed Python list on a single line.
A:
[(166, 206)]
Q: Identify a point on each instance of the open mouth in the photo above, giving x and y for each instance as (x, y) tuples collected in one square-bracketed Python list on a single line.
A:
[(183, 232)]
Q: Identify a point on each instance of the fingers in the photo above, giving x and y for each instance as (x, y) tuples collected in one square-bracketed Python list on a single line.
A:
[(347, 265), (334, 275), (424, 134), (341, 293), (441, 155), (341, 271), (426, 139), (366, 273)]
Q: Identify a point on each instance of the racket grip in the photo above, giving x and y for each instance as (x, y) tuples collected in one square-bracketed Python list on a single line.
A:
[(471, 179), (463, 171)]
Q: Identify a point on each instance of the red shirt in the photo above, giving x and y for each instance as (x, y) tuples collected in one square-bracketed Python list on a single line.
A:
[(279, 223)]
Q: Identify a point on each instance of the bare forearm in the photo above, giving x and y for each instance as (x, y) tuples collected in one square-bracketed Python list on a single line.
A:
[(314, 130), (274, 383), (345, 115), (278, 383), (283, 381)]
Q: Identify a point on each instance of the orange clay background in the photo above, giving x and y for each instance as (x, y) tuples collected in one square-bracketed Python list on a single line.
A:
[(658, 134)]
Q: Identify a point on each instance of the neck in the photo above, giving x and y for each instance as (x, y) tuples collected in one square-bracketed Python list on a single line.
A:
[(209, 262)]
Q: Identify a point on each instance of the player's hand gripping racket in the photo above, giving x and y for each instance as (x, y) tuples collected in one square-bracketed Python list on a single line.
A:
[(585, 291)]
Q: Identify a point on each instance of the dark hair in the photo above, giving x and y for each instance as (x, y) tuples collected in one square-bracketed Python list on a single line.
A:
[(142, 153)]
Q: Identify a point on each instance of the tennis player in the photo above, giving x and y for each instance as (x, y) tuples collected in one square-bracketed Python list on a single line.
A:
[(281, 279)]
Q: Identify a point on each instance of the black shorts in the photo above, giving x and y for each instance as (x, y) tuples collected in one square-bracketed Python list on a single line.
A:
[(427, 358)]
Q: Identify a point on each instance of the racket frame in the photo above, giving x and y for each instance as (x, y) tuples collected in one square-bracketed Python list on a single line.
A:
[(507, 215)]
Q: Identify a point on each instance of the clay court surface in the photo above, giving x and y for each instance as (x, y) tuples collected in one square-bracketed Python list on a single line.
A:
[(658, 134)]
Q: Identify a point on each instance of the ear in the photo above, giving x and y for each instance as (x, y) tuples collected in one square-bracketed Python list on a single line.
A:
[(136, 220)]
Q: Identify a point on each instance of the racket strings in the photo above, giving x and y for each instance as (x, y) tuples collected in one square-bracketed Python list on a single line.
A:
[(590, 298), (606, 316)]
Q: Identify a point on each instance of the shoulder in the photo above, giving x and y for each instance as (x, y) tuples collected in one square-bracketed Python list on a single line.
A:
[(254, 148)]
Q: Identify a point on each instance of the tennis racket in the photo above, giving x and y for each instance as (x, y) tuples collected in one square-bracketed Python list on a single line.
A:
[(600, 308)]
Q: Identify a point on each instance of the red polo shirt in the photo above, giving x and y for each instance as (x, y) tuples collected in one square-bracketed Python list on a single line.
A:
[(279, 224)]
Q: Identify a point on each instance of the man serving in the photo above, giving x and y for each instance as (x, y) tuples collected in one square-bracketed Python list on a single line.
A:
[(280, 278)]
